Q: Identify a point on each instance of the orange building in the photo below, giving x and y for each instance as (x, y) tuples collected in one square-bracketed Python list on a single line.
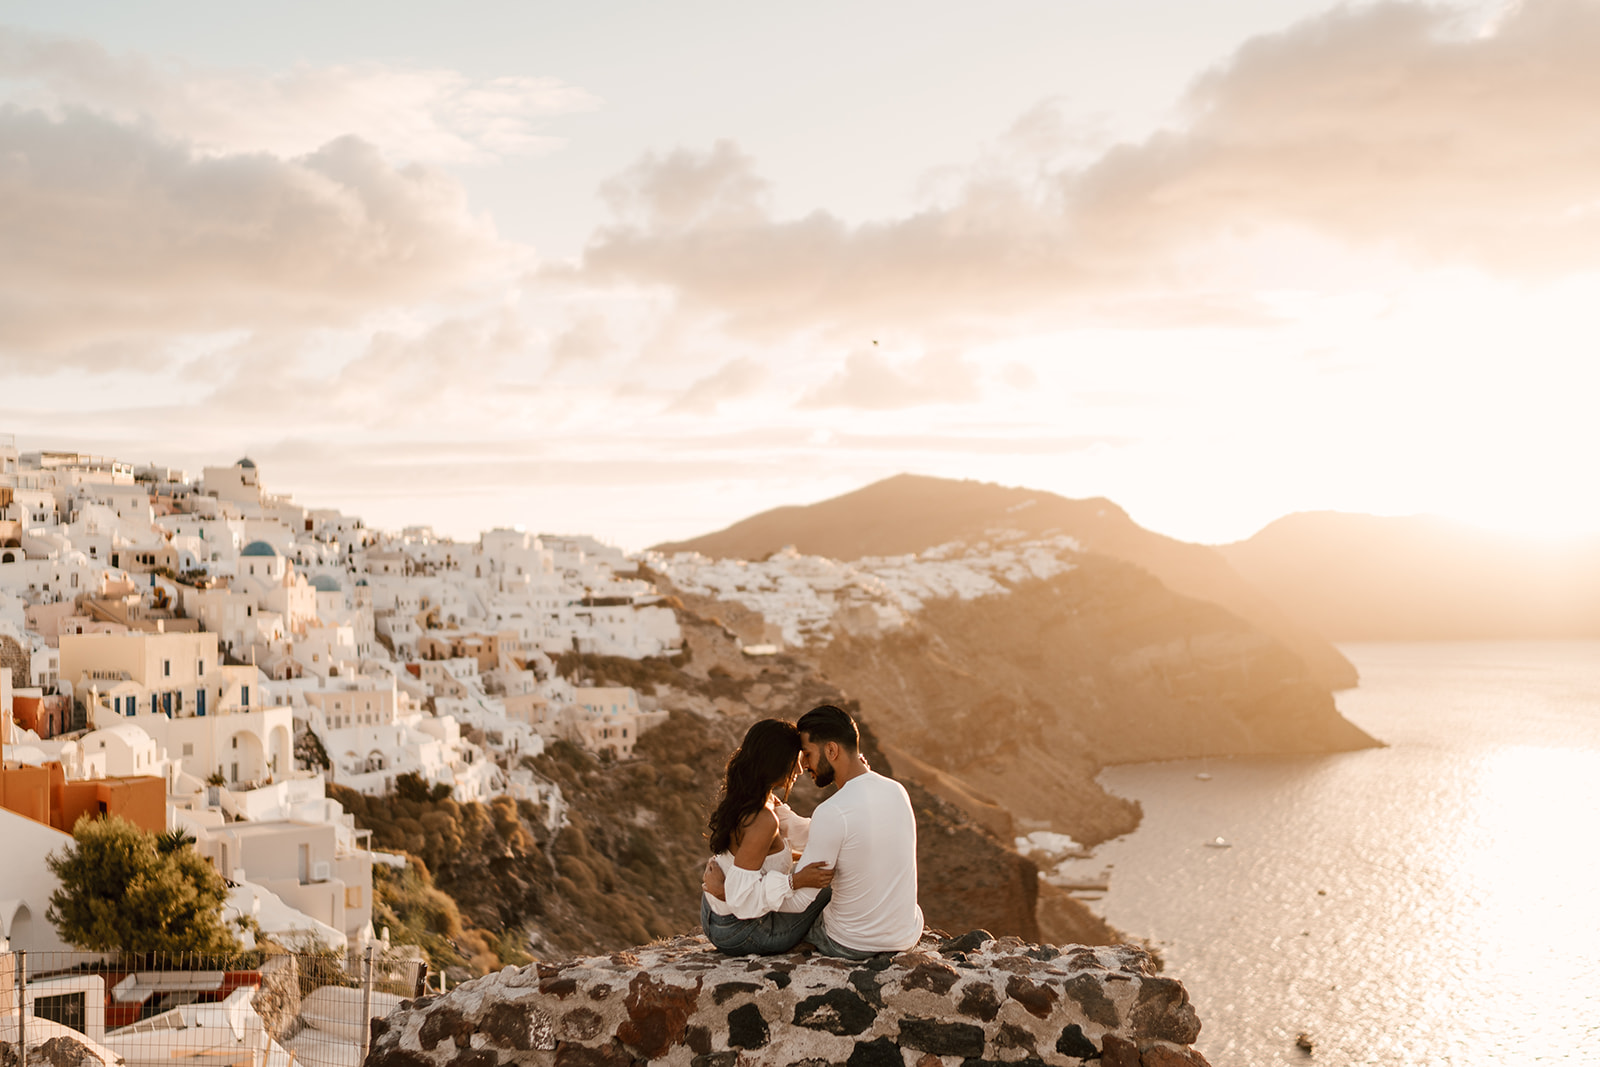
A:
[(44, 795), (47, 716)]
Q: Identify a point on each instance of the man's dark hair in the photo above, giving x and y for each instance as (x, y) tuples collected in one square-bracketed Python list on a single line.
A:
[(827, 723)]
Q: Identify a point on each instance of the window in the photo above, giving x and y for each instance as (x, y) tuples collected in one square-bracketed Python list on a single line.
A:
[(244, 695), (352, 896), (236, 741), (166, 668), (188, 748), (200, 667), (64, 1008)]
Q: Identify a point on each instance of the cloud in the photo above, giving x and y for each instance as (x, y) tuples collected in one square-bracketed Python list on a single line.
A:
[(585, 340), (1019, 376), (444, 372), (870, 382), (415, 113), (1395, 128), (734, 379), (114, 233), (684, 190), (1386, 125)]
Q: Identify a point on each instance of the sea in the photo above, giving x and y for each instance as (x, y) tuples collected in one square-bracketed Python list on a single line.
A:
[(1434, 901)]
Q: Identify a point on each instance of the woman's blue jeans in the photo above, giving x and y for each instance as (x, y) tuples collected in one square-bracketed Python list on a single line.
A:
[(766, 935)]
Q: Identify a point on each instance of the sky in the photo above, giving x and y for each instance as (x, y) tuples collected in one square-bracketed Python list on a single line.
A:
[(642, 270)]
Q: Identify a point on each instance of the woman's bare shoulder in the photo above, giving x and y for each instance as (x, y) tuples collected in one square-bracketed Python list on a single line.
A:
[(762, 823), (763, 819)]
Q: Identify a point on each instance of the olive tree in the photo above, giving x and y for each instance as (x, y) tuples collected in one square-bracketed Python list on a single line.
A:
[(124, 889)]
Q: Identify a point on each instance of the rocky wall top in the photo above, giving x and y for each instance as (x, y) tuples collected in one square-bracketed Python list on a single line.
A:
[(970, 1000)]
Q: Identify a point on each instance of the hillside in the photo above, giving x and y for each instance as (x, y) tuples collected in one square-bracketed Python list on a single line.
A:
[(625, 868), (1024, 698), (1008, 706), (910, 513), (1370, 578)]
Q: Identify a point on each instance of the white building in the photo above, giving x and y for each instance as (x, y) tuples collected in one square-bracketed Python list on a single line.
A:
[(26, 884), (238, 484), (216, 719)]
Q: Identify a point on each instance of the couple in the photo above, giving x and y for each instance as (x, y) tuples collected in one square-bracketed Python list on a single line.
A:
[(853, 894)]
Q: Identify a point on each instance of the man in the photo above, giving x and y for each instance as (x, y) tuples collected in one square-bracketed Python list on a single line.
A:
[(868, 833)]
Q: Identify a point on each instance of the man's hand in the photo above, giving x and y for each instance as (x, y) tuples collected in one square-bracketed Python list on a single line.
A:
[(713, 881)]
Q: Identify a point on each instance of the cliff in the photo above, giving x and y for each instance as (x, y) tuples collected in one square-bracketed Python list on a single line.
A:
[(1019, 700), (970, 1000), (911, 513)]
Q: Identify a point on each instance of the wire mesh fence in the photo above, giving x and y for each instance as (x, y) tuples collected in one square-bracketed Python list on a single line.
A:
[(259, 1009)]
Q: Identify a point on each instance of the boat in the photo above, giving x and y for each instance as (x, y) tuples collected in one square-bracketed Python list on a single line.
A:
[(1218, 842)]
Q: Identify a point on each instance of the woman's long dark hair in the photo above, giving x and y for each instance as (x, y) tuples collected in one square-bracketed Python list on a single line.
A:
[(766, 755)]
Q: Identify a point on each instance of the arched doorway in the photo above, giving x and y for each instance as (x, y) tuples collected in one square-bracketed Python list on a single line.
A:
[(15, 926), (279, 760), (246, 759)]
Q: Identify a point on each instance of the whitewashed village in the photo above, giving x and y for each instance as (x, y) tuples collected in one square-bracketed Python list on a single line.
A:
[(200, 655)]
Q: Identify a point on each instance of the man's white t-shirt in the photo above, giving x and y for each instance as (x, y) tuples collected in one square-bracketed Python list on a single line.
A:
[(868, 833)]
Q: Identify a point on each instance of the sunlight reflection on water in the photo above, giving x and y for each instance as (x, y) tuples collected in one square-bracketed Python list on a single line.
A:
[(1433, 902)]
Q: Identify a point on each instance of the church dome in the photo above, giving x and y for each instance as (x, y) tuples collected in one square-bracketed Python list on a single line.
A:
[(247, 463), (325, 583), (259, 548)]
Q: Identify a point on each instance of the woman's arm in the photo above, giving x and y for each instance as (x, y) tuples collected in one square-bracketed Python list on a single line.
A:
[(752, 892)]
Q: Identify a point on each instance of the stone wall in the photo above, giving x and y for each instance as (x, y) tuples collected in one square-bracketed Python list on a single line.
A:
[(15, 657), (971, 1000)]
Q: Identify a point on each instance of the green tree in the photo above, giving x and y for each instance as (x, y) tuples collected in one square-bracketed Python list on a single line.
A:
[(123, 889)]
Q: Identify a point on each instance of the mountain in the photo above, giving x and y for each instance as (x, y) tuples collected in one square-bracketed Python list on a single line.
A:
[(910, 513), (1370, 578)]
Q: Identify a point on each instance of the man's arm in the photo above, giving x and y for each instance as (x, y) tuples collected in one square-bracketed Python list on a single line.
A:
[(827, 838)]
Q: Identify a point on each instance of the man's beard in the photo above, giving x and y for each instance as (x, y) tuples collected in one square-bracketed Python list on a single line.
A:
[(823, 772)]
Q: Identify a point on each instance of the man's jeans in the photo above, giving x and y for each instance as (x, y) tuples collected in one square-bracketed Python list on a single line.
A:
[(829, 947), (766, 935)]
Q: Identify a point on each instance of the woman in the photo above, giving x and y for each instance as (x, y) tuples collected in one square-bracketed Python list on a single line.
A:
[(753, 835)]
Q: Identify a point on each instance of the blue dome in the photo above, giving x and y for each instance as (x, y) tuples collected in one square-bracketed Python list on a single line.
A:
[(326, 583), (361, 581), (259, 548), (246, 462)]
